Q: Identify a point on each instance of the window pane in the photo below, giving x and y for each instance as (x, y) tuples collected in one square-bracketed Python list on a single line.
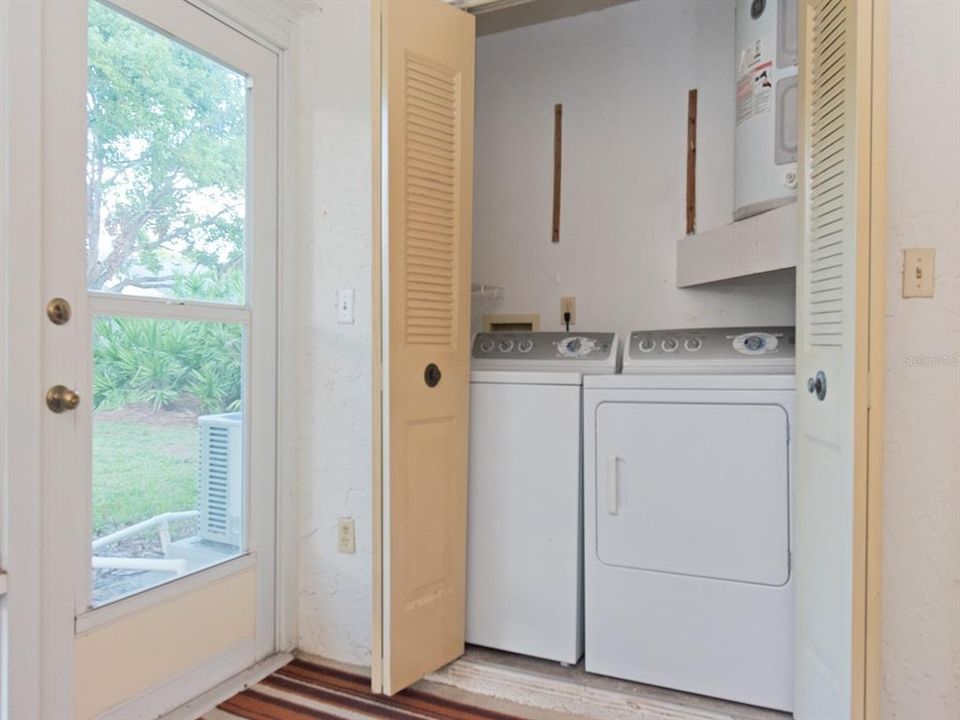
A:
[(168, 441), (166, 150)]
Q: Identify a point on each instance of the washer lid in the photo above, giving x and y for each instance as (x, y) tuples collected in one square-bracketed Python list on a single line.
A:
[(580, 352), (748, 350), (513, 377)]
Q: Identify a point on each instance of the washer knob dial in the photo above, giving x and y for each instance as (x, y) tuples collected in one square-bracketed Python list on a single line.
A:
[(573, 347), (755, 343), (506, 346), (525, 345), (669, 344), (647, 344), (693, 344), (487, 345)]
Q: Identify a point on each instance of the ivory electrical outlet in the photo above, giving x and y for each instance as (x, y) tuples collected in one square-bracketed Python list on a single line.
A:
[(346, 537), (568, 305), (918, 272)]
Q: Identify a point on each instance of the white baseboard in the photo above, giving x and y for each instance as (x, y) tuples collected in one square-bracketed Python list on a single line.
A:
[(206, 702), (561, 696)]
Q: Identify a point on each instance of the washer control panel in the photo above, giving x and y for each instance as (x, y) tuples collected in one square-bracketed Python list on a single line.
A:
[(544, 346), (711, 347)]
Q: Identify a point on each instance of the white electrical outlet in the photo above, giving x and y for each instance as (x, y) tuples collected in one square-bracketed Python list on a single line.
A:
[(346, 537), (345, 315), (568, 305)]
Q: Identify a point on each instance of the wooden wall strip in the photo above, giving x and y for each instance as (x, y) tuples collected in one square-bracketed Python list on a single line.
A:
[(557, 151), (692, 162)]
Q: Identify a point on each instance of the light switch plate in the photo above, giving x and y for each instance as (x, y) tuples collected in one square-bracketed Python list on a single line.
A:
[(345, 314), (346, 537), (918, 268)]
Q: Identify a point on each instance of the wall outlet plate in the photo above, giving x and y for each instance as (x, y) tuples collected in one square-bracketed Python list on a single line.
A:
[(568, 304), (918, 268), (346, 536)]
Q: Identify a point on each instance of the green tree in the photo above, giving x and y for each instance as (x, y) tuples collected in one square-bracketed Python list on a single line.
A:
[(165, 166)]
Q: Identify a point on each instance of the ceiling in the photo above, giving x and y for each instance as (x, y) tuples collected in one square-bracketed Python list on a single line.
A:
[(495, 16)]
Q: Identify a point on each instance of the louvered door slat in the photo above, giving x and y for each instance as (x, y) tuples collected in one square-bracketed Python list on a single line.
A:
[(827, 208)]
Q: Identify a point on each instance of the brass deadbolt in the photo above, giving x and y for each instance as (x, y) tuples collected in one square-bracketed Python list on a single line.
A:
[(58, 310), (61, 398)]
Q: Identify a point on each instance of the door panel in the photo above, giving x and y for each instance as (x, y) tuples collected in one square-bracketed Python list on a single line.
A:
[(191, 187), (703, 492), (427, 95), (832, 349)]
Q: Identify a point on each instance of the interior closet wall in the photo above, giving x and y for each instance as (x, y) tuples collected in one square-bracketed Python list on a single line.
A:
[(622, 74), (920, 633), (335, 150)]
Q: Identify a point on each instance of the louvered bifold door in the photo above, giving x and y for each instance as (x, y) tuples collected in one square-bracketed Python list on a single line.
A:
[(832, 297), (427, 82)]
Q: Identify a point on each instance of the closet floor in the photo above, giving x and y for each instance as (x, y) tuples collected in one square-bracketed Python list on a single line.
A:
[(573, 691)]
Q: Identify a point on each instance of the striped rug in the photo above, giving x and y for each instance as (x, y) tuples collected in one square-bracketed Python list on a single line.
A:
[(302, 690)]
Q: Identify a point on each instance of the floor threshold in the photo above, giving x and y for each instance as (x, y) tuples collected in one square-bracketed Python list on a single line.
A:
[(573, 692)]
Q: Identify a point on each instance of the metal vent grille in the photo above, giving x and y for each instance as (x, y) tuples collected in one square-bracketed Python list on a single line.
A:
[(430, 173), (221, 478), (828, 209), (215, 502)]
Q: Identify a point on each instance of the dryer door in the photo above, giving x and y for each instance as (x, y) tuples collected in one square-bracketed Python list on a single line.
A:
[(694, 489)]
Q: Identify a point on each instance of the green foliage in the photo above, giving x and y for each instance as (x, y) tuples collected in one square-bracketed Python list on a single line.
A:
[(166, 157), (169, 363)]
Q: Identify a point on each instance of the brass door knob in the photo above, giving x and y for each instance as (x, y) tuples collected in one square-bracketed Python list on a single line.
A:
[(61, 398)]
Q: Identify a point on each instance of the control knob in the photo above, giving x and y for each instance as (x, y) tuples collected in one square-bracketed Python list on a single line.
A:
[(647, 344), (670, 344), (506, 346), (525, 345)]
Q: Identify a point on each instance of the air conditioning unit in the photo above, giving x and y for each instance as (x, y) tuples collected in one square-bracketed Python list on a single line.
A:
[(221, 478)]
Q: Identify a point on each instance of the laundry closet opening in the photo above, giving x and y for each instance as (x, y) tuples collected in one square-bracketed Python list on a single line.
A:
[(616, 465), (656, 549)]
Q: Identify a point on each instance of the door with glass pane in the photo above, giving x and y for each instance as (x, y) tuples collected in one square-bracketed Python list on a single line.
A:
[(160, 140)]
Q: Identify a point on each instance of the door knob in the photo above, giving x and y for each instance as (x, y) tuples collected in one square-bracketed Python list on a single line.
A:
[(818, 385), (58, 310), (61, 398), (432, 375)]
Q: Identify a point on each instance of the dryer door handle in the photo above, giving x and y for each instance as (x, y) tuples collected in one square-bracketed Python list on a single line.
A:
[(613, 489)]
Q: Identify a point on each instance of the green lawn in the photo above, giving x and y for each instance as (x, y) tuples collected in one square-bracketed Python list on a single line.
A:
[(141, 470)]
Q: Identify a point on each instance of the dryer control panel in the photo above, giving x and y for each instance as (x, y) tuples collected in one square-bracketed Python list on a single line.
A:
[(711, 350)]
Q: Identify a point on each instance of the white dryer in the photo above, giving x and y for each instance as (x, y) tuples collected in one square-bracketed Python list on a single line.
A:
[(524, 527), (687, 489)]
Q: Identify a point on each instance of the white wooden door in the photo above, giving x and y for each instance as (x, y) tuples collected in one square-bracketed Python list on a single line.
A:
[(158, 181), (837, 172), (427, 68)]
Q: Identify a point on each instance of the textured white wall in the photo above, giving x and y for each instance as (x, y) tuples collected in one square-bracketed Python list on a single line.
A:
[(335, 225), (622, 75), (921, 568)]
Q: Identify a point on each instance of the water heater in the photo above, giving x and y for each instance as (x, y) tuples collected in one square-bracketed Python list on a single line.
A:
[(766, 139)]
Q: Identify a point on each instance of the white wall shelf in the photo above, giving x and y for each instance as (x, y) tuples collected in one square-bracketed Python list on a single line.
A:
[(759, 244)]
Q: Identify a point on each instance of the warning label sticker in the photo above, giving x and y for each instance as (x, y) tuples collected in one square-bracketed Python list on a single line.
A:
[(755, 79)]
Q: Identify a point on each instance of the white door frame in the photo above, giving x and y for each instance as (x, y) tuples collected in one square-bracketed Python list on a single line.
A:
[(38, 685)]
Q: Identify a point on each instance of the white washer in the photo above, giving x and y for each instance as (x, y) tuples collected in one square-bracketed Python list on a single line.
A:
[(687, 497), (524, 528)]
